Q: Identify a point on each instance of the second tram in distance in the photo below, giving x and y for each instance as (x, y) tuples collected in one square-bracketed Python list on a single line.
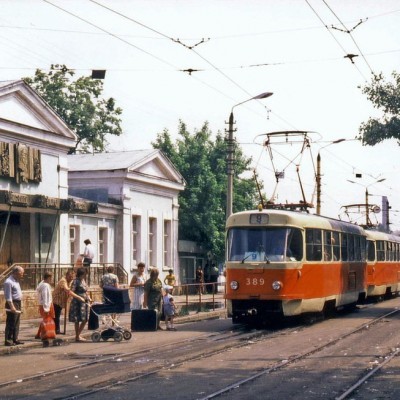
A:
[(285, 263)]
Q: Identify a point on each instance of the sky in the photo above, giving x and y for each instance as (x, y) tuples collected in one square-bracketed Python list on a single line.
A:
[(237, 49)]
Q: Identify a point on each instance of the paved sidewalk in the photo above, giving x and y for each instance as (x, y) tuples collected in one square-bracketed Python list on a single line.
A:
[(29, 327)]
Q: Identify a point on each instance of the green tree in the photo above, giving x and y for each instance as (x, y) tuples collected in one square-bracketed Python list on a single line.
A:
[(202, 162), (80, 105), (386, 97)]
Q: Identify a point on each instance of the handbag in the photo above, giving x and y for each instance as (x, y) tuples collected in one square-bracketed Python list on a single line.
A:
[(47, 328)]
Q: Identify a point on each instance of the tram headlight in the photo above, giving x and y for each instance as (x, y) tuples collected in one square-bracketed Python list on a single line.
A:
[(234, 285), (276, 285)]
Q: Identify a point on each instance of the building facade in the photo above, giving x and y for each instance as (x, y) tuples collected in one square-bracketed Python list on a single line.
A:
[(144, 186), (126, 203), (34, 203)]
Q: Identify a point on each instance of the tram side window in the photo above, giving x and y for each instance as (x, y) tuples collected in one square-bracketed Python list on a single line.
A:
[(357, 248), (350, 247), (336, 246), (295, 245), (370, 250), (380, 250), (327, 246), (392, 251), (345, 255), (313, 244)]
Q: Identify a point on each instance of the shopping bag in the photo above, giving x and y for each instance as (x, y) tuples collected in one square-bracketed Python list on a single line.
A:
[(47, 328)]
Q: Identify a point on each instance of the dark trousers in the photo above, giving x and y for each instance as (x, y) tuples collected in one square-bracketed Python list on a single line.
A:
[(86, 262), (57, 312), (12, 322)]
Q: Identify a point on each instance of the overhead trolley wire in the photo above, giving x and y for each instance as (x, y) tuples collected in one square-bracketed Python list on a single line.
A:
[(349, 32), (334, 37), (192, 49), (111, 34)]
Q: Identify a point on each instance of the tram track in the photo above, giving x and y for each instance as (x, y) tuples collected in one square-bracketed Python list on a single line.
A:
[(286, 363), (387, 359), (99, 358), (223, 341), (138, 366)]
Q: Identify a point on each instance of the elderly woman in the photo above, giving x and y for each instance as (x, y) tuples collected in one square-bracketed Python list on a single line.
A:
[(78, 311), (153, 295)]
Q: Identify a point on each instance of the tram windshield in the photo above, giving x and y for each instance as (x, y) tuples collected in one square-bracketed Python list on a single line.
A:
[(264, 244)]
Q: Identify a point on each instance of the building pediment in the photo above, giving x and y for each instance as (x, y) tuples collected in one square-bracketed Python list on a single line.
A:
[(132, 164), (158, 167), (21, 105)]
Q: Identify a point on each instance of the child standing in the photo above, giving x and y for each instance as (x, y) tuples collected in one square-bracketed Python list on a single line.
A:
[(169, 311)]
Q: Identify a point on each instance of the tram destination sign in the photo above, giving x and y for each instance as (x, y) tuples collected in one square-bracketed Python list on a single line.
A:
[(259, 219)]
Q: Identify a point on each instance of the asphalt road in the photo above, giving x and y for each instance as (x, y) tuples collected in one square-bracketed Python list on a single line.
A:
[(313, 361)]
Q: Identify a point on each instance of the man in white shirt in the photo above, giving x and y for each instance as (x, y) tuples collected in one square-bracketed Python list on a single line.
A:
[(88, 253), (13, 297)]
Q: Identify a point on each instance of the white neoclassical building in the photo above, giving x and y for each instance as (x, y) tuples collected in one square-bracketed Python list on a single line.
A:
[(125, 203), (34, 202), (144, 186)]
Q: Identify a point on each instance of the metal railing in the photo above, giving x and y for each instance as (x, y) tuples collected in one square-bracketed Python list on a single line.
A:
[(33, 274), (197, 297)]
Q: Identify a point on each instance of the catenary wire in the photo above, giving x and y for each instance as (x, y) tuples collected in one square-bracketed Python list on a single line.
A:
[(349, 32), (334, 37)]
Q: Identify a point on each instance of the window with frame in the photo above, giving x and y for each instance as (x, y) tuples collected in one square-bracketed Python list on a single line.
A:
[(167, 244), (314, 244), (380, 250), (136, 236), (152, 245), (328, 246), (102, 245), (73, 243), (370, 250)]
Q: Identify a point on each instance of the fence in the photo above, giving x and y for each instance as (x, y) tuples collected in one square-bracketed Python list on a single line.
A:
[(34, 273), (199, 297)]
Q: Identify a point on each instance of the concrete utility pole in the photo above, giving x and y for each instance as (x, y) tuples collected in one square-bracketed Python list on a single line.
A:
[(318, 176), (230, 153)]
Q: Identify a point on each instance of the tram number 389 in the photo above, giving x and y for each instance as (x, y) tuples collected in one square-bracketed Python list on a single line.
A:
[(255, 281)]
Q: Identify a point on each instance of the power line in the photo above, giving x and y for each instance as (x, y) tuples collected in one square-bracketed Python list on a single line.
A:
[(349, 32), (189, 48), (112, 34), (333, 36)]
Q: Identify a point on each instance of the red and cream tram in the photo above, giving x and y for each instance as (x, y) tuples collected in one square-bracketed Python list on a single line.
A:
[(383, 264), (285, 263)]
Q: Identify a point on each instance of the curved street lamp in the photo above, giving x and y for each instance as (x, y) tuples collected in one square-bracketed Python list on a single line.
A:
[(231, 153)]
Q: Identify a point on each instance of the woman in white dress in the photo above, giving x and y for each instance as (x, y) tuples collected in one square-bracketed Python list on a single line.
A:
[(137, 283)]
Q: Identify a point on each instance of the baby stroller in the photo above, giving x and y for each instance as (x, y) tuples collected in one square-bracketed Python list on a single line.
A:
[(116, 301)]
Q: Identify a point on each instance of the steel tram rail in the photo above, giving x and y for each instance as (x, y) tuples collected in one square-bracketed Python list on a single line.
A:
[(239, 333), (389, 357), (285, 363)]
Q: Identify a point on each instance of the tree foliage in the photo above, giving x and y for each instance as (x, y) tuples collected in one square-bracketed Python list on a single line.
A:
[(79, 103), (202, 163), (386, 97)]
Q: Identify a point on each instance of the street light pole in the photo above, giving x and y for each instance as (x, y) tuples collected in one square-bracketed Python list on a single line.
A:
[(367, 220), (318, 176), (230, 158)]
